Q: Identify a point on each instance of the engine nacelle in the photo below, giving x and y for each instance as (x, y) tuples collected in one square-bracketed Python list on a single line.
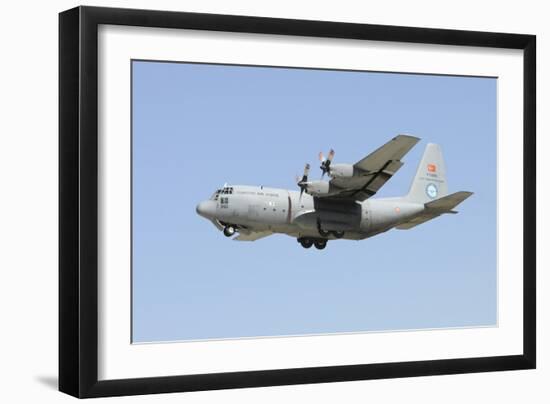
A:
[(318, 187), (341, 170)]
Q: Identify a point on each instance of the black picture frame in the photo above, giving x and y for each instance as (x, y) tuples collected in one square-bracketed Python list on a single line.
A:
[(78, 201)]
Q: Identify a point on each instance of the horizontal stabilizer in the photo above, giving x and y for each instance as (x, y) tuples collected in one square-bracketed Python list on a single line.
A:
[(447, 203), (422, 218), (436, 208)]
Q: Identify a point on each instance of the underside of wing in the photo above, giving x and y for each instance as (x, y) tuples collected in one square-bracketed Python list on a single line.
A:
[(252, 235), (372, 172), (394, 150)]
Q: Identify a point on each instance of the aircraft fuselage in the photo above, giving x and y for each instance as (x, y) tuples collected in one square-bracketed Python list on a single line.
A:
[(257, 208)]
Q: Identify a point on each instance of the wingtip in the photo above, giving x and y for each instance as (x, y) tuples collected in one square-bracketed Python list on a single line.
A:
[(407, 136)]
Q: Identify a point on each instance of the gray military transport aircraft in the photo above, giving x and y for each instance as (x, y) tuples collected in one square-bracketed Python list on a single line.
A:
[(339, 208)]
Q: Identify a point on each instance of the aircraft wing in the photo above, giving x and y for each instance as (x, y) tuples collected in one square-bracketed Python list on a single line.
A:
[(372, 172), (252, 235)]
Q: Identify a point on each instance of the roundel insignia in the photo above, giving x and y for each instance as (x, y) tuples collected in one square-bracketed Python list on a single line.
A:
[(431, 190)]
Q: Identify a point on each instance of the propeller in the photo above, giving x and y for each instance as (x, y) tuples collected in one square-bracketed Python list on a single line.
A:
[(302, 183), (325, 163)]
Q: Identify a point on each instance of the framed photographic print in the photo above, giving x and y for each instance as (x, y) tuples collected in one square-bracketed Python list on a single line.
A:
[(250, 201)]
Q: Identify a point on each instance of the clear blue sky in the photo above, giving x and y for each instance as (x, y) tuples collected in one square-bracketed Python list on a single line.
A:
[(196, 127)]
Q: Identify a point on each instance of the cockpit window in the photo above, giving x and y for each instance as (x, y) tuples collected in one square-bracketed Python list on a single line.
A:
[(215, 195)]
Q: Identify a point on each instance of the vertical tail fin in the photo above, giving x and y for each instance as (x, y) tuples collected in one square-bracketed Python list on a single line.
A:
[(430, 182)]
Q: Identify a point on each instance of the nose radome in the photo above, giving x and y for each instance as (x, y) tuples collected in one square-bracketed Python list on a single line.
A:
[(206, 209)]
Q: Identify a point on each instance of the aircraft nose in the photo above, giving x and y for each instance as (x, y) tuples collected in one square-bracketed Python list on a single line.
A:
[(207, 209)]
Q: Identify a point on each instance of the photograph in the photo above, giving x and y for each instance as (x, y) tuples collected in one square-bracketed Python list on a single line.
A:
[(273, 201)]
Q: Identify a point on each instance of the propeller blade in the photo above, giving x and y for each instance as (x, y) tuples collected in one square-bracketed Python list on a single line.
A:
[(304, 176), (302, 183), (325, 163)]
